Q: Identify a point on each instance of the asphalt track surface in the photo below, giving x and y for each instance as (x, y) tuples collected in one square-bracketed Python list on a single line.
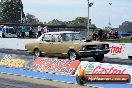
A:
[(7, 83), (12, 81), (106, 60)]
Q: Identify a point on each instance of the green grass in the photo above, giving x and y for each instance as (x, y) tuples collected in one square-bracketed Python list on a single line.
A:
[(122, 40)]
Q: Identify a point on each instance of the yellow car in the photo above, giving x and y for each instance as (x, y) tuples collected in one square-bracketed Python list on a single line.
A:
[(67, 44)]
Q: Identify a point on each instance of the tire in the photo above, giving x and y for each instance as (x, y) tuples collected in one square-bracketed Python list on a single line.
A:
[(72, 55), (81, 80), (98, 58), (37, 52), (3, 35)]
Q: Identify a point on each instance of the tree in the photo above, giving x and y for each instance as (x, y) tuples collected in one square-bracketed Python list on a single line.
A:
[(12, 11), (31, 19), (79, 21), (56, 22), (126, 26)]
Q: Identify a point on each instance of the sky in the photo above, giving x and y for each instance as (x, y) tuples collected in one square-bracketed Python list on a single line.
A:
[(67, 10)]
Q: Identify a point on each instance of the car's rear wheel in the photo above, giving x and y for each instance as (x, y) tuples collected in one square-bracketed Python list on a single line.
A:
[(37, 52), (73, 55), (98, 58)]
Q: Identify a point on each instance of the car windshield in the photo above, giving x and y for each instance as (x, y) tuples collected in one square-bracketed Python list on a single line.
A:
[(10, 30), (71, 36)]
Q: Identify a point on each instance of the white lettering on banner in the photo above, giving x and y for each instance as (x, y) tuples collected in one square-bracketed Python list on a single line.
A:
[(56, 62), (53, 69), (111, 70), (116, 49), (91, 68)]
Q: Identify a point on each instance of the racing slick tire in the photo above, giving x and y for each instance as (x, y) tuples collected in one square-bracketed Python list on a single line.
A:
[(37, 52), (72, 55), (98, 58)]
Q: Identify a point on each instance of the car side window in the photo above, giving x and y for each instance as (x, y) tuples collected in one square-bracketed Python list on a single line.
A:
[(56, 38), (47, 38)]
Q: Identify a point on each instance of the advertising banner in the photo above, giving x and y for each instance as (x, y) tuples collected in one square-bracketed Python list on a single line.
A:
[(14, 61), (54, 65), (119, 50), (104, 68)]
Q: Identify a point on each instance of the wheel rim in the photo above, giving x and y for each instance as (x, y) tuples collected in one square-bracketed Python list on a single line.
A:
[(37, 53), (73, 56)]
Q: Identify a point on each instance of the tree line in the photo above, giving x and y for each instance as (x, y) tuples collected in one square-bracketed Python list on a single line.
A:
[(12, 12)]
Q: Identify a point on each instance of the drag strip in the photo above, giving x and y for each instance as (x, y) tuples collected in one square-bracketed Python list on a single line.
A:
[(106, 59), (12, 81), (8, 83)]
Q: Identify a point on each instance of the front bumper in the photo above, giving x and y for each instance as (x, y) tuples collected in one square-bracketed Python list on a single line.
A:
[(94, 51)]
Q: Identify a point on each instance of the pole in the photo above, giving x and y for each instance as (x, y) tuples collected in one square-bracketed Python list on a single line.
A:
[(110, 18), (109, 22), (88, 20)]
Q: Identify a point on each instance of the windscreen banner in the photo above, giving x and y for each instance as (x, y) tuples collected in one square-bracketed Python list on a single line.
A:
[(54, 65)]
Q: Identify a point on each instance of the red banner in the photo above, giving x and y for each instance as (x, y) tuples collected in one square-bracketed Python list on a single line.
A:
[(53, 65)]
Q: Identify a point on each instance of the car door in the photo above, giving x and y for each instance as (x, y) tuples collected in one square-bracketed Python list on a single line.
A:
[(45, 44), (56, 45)]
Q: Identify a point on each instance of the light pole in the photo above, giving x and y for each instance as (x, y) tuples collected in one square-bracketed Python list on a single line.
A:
[(109, 18), (88, 20), (89, 5)]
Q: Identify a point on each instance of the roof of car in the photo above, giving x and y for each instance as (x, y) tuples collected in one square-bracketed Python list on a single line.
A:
[(61, 32)]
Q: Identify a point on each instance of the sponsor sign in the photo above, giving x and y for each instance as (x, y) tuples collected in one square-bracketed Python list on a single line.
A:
[(119, 50), (54, 65), (108, 78), (8, 61), (116, 49), (15, 61), (103, 68)]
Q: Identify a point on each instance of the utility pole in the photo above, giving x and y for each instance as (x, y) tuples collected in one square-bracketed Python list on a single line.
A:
[(89, 5), (109, 18), (88, 20)]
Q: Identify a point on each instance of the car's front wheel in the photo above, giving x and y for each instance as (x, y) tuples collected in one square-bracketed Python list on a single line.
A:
[(37, 52), (98, 58), (73, 55)]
